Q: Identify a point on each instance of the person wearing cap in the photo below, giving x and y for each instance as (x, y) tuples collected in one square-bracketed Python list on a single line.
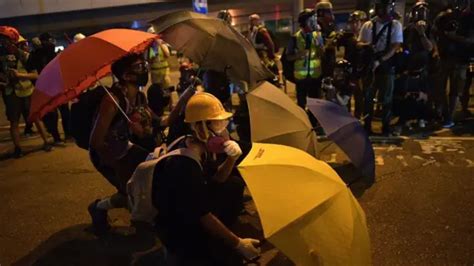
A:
[(306, 49), (385, 36), (189, 223), (325, 15), (17, 90)]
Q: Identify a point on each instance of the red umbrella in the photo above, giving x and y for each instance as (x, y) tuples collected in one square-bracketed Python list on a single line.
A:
[(81, 64), (10, 32)]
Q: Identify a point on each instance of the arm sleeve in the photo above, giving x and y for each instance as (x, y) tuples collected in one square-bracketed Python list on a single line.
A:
[(365, 34), (397, 32)]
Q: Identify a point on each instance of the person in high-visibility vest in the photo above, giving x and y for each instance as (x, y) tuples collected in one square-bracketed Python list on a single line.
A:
[(306, 49), (160, 68)]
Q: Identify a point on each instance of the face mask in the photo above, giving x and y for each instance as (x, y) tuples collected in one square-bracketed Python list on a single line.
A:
[(142, 79)]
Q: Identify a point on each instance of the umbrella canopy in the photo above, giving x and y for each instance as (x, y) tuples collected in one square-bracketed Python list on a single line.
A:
[(306, 210), (347, 132), (275, 118), (212, 44), (81, 64)]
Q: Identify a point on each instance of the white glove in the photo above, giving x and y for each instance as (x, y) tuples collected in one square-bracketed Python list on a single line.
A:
[(246, 248), (232, 148)]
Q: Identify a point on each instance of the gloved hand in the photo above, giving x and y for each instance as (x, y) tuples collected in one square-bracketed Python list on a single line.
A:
[(232, 148), (246, 248)]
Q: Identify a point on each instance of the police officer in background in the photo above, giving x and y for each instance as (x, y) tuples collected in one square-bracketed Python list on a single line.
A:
[(385, 35), (453, 30), (306, 50)]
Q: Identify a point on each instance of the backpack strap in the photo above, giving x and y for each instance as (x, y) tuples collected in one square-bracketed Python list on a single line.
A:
[(377, 36), (186, 152)]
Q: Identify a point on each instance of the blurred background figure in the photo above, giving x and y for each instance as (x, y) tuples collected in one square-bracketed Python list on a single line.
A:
[(453, 30), (266, 45), (225, 16), (325, 16)]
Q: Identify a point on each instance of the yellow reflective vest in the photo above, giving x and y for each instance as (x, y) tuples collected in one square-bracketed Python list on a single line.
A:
[(309, 66), (23, 87)]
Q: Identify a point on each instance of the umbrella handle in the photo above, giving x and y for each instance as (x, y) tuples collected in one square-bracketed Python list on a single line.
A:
[(116, 103)]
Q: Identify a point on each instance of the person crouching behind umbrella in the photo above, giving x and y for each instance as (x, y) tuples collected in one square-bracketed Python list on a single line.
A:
[(190, 222), (111, 151)]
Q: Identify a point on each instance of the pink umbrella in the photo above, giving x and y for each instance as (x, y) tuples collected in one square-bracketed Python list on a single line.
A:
[(81, 64)]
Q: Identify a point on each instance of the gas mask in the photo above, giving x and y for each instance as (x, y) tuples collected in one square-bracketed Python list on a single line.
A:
[(214, 135)]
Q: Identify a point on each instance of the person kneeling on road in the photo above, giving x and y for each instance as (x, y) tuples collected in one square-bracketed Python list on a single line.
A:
[(190, 223)]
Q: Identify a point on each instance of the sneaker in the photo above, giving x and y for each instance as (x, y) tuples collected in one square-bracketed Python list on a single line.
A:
[(99, 218), (449, 124), (29, 132), (47, 147), (421, 123), (59, 143), (18, 153)]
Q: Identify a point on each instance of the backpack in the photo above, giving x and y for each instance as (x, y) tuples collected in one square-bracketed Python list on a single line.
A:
[(287, 65), (83, 113), (140, 185)]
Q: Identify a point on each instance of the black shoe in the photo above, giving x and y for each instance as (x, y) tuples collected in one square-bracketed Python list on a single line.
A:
[(47, 147), (18, 153), (29, 132), (99, 218), (59, 143)]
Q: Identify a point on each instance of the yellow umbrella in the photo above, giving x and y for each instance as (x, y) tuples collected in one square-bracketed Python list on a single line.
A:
[(275, 118), (306, 210)]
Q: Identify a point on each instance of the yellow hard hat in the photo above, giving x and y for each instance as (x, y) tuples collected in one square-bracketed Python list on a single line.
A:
[(204, 107), (21, 40)]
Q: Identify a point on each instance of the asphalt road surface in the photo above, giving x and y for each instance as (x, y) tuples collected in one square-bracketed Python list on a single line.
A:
[(419, 211)]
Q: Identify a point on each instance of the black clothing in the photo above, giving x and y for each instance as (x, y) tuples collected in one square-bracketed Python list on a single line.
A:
[(417, 57), (182, 194)]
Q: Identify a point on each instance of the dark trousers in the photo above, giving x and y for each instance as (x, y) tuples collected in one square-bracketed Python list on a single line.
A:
[(309, 87), (456, 74), (466, 94), (226, 204), (383, 82), (65, 118), (51, 123), (410, 108), (358, 99)]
